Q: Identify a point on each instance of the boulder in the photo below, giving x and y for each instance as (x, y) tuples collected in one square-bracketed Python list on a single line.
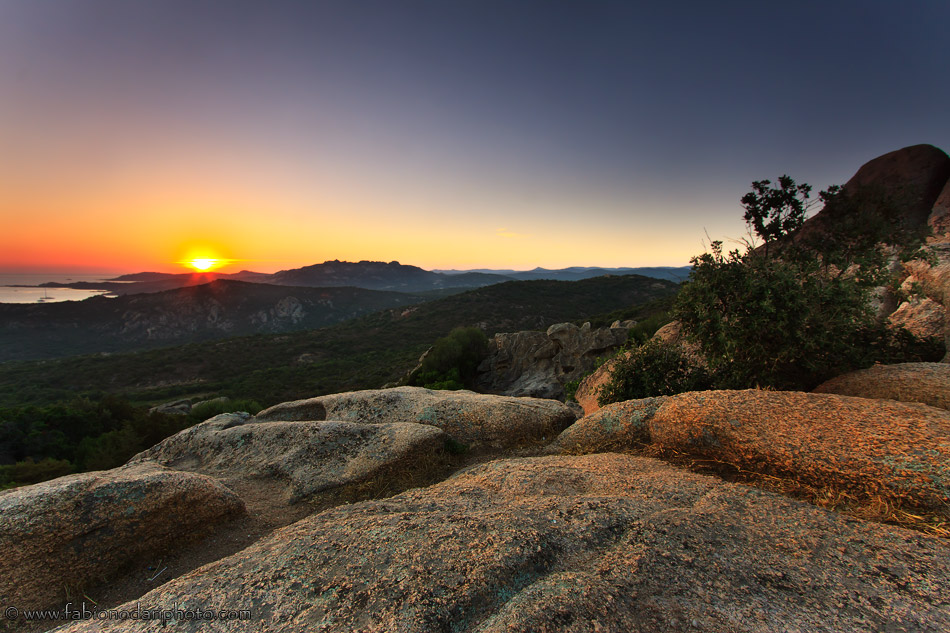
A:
[(933, 277), (520, 363), (540, 364), (618, 426), (606, 542), (913, 177), (59, 535), (928, 383), (866, 447), (470, 418), (304, 457), (922, 317), (176, 407), (672, 333)]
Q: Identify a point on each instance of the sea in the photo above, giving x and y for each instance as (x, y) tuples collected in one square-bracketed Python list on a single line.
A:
[(9, 294)]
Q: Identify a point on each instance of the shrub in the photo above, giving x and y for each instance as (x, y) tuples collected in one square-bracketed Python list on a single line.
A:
[(446, 381), (655, 368), (30, 472), (453, 360), (109, 450), (770, 322)]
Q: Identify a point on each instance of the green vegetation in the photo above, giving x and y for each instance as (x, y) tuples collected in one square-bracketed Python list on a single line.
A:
[(451, 363), (790, 313), (82, 435), (653, 368), (774, 212), (77, 435)]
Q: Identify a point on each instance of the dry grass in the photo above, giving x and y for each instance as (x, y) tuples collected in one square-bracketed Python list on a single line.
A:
[(879, 508)]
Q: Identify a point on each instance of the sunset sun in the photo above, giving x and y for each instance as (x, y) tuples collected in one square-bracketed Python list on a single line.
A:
[(204, 264)]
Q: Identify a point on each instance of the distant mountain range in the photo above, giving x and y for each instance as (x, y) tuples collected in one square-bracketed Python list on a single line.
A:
[(391, 276), (226, 308), (220, 309), (576, 273), (154, 309)]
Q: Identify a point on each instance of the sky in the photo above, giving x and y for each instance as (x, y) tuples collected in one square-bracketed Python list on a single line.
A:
[(444, 134)]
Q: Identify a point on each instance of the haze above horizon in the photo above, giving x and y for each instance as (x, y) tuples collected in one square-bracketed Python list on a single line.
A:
[(464, 135)]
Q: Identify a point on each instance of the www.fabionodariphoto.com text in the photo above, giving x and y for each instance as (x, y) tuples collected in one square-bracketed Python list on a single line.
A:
[(89, 611)]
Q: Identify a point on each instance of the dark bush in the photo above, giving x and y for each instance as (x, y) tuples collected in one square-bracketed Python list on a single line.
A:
[(453, 360), (30, 472), (655, 368)]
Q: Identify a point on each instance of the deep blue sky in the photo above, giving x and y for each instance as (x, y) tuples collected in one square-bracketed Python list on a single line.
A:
[(446, 134)]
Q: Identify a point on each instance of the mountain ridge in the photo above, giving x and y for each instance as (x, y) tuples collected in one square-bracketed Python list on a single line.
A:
[(220, 308), (372, 275)]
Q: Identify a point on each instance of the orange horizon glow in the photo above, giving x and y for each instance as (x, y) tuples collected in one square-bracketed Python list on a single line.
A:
[(161, 216), (265, 242)]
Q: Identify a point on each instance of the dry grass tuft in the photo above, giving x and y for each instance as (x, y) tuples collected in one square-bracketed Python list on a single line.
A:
[(879, 508)]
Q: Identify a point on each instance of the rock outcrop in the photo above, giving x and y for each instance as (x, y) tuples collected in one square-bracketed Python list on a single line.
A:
[(304, 457), (540, 364), (469, 418), (929, 282), (175, 407), (618, 426), (184, 407), (59, 535), (913, 177), (926, 312), (921, 316), (596, 543), (927, 383), (865, 447)]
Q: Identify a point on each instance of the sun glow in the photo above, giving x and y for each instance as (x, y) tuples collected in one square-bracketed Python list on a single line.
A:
[(204, 264), (203, 257)]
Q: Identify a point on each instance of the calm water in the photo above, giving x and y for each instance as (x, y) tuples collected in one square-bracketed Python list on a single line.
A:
[(48, 295)]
